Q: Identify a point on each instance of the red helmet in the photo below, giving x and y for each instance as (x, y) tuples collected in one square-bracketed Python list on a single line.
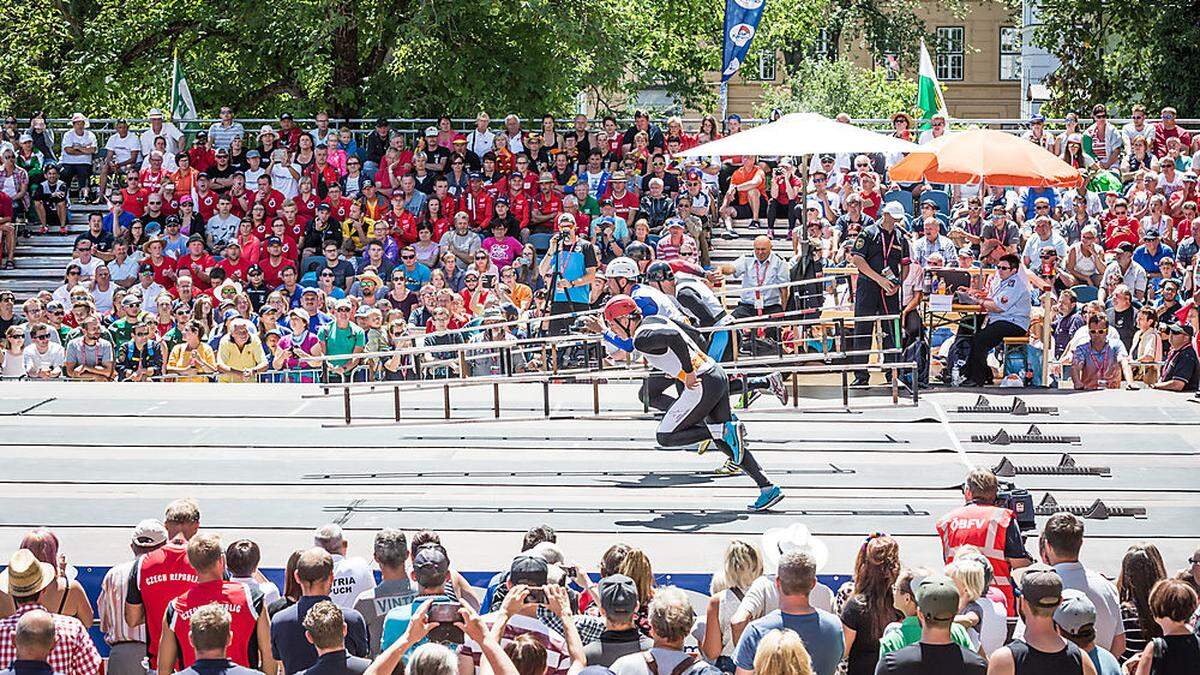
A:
[(619, 307)]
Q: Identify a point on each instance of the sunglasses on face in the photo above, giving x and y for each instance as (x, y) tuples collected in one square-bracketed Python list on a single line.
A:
[(1097, 331), (1003, 268)]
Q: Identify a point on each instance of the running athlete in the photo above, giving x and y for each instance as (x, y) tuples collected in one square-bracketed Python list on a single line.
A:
[(684, 282), (702, 411)]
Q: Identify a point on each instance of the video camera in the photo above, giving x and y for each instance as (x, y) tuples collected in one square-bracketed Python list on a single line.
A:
[(1020, 502)]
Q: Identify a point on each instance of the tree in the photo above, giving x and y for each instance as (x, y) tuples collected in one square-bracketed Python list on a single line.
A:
[(394, 57), (832, 87), (1120, 53)]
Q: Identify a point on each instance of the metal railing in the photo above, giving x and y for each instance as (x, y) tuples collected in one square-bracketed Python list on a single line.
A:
[(360, 127)]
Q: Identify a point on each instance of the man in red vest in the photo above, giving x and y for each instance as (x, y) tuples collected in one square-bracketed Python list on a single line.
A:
[(249, 627), (160, 576), (990, 528)]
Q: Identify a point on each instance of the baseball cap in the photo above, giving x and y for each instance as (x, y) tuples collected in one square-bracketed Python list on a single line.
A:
[(323, 206), (1180, 329), (893, 209), (1036, 119), (1041, 586), (1189, 177), (309, 289), (285, 116), (149, 532), (1125, 247), (618, 594), (254, 269), (1076, 614), (502, 199), (222, 152), (966, 251), (252, 153), (734, 116), (146, 268), (475, 175), (1150, 234), (274, 241), (130, 301), (382, 122), (937, 597), (431, 131), (194, 237), (430, 564), (529, 570)]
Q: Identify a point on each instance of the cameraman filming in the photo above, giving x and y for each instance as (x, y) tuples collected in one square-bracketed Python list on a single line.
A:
[(569, 265), (990, 528)]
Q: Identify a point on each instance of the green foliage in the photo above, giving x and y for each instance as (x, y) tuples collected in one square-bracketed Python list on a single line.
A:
[(399, 57), (1121, 54), (832, 87)]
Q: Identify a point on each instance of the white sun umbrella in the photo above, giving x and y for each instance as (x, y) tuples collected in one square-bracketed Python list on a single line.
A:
[(801, 134)]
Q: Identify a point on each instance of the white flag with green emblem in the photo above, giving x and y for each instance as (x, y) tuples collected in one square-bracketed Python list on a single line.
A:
[(183, 109), (929, 91)]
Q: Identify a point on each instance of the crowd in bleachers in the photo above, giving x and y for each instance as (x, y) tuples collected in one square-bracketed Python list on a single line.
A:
[(245, 254)]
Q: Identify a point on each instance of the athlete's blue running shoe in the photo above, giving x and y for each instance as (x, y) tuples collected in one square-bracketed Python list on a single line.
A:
[(735, 438), (767, 499)]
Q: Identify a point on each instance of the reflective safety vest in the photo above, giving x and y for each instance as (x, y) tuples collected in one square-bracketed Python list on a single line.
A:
[(983, 527)]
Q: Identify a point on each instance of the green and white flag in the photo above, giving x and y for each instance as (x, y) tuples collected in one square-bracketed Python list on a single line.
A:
[(929, 91), (183, 109)]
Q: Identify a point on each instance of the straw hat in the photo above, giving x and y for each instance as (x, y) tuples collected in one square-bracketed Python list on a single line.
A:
[(26, 575)]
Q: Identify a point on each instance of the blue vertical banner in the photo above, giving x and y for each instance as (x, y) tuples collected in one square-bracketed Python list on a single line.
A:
[(741, 23)]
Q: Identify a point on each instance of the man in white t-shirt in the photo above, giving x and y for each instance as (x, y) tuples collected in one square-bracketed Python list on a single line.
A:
[(169, 132), (121, 153), (285, 174), (78, 150), (351, 576)]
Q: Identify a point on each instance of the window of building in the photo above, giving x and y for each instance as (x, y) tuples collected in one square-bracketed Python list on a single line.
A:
[(949, 63), (1010, 53), (825, 46), (765, 66), (889, 61)]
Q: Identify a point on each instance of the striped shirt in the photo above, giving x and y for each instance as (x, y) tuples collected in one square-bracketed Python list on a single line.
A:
[(558, 660), (73, 653), (111, 607), (1135, 640)]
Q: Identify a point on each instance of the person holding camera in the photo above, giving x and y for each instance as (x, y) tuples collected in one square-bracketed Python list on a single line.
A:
[(785, 196), (431, 571), (569, 266), (991, 528)]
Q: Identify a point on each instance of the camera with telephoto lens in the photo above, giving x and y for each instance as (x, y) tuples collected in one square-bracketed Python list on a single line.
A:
[(1020, 502)]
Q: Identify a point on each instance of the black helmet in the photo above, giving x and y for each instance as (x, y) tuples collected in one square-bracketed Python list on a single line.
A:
[(639, 251), (658, 271)]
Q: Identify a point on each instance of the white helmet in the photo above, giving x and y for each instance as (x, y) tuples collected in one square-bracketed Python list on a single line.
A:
[(622, 268)]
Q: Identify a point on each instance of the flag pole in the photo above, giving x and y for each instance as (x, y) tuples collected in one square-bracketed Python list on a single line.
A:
[(174, 79)]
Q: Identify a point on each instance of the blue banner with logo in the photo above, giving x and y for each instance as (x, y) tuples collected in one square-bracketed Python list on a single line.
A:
[(741, 23)]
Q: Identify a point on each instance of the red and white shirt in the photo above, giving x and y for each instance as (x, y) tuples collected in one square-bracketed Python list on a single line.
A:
[(74, 652), (156, 579), (243, 602)]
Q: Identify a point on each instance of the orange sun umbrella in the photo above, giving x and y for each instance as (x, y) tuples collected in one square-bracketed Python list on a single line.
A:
[(978, 155)]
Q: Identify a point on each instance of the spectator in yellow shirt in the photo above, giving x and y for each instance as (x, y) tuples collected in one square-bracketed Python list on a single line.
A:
[(192, 360), (240, 356)]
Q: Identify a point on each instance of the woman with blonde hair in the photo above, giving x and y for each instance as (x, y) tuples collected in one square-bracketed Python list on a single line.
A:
[(636, 566), (782, 652), (986, 625), (742, 566)]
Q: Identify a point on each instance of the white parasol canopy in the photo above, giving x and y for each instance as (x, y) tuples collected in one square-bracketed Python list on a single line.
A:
[(801, 134)]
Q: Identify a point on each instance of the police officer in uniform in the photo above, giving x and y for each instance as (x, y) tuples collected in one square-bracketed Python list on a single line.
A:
[(990, 528), (880, 253)]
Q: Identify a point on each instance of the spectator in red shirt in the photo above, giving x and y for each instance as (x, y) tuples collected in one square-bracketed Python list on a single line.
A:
[(404, 222), (547, 206), (1168, 129), (134, 196), (164, 267), (236, 267), (271, 199), (206, 199), (249, 618), (201, 154), (339, 206), (274, 262), (478, 203), (289, 133), (626, 203), (196, 262), (1121, 227), (160, 576)]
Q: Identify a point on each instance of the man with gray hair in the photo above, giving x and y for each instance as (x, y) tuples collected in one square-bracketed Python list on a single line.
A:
[(821, 631), (33, 640), (391, 552), (671, 619), (351, 575)]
